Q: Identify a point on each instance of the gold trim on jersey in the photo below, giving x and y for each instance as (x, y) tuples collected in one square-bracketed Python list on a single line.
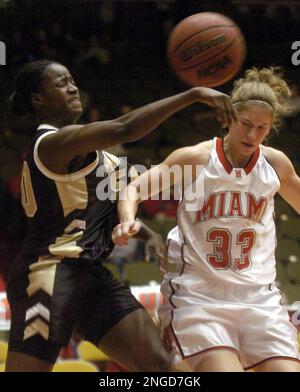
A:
[(75, 224), (110, 162), (72, 195), (66, 246), (27, 193), (38, 326), (61, 177), (42, 275), (133, 174)]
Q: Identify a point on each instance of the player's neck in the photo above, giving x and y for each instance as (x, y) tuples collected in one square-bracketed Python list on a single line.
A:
[(233, 154)]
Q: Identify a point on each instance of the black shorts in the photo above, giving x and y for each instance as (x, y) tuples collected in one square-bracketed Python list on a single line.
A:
[(54, 300)]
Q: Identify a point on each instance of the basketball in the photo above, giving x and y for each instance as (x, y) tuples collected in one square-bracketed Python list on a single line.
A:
[(206, 49)]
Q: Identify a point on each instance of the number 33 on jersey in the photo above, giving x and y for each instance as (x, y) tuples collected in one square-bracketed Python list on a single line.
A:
[(232, 234)]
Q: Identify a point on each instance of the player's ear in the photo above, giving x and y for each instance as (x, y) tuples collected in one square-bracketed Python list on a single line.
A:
[(36, 100)]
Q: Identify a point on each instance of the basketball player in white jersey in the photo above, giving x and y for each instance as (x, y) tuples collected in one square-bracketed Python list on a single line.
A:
[(222, 310)]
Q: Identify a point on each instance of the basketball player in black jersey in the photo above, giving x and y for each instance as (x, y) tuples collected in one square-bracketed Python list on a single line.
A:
[(58, 284)]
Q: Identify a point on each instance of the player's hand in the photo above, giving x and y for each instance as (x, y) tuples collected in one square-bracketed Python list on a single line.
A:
[(124, 231), (225, 113), (156, 245)]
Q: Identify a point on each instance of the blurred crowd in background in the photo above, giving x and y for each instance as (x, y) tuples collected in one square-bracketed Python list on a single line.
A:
[(116, 52)]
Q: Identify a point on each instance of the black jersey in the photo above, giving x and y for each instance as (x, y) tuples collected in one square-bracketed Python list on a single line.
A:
[(66, 217)]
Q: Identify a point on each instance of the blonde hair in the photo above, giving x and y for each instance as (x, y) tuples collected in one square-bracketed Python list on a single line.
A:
[(265, 85)]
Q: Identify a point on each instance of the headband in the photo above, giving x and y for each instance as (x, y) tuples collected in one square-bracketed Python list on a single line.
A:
[(255, 101)]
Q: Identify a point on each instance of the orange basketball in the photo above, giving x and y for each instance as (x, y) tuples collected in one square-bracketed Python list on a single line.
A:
[(206, 49)]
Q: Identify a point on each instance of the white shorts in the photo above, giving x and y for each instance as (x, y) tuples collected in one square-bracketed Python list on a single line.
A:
[(199, 315)]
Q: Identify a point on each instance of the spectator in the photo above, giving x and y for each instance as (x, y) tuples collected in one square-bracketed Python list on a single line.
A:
[(96, 54)]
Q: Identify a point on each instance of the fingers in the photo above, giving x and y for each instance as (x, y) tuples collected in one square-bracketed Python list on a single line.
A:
[(134, 228), (118, 239), (225, 112), (160, 251), (220, 116), (163, 262), (147, 253), (154, 248), (229, 110), (124, 231)]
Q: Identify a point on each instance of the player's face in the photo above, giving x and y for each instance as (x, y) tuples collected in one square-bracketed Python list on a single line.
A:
[(252, 126), (59, 96)]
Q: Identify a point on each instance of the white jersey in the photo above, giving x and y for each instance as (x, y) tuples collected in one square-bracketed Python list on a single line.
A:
[(222, 294), (231, 236)]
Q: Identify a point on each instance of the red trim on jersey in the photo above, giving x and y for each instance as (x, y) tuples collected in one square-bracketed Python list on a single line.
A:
[(175, 337), (215, 348), (170, 281), (282, 299), (221, 155), (279, 292), (171, 302), (250, 165), (182, 258), (227, 165), (168, 244), (284, 357), (181, 272)]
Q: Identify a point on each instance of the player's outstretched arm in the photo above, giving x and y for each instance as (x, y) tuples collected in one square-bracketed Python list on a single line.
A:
[(151, 183), (58, 149)]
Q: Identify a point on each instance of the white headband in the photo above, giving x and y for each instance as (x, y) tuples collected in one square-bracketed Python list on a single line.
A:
[(255, 101)]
